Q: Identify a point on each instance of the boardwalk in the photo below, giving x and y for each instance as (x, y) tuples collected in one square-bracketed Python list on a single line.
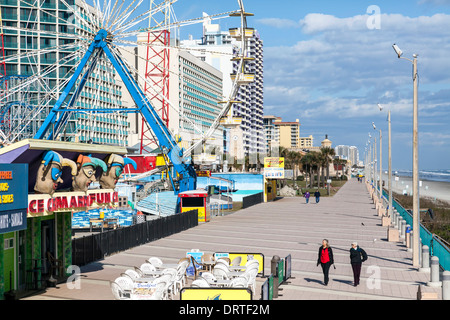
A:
[(286, 226)]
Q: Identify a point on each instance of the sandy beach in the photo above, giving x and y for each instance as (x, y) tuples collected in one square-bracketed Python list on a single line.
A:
[(431, 189)]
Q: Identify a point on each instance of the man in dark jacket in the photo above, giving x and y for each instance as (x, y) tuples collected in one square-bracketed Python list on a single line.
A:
[(317, 195), (357, 257)]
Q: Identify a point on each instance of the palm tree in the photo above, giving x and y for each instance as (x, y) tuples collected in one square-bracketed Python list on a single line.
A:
[(328, 154), (306, 167), (291, 158), (295, 158), (322, 162), (310, 163)]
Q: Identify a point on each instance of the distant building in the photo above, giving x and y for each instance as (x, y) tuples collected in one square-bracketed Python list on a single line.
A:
[(350, 153), (281, 134), (51, 30), (216, 48), (306, 142)]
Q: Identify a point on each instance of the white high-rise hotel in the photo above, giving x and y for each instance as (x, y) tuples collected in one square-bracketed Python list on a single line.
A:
[(48, 47), (221, 47), (348, 152)]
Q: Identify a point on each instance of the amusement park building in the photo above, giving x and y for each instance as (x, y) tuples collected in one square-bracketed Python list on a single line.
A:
[(51, 31)]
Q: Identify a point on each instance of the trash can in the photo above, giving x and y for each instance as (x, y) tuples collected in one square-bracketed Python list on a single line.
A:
[(273, 269)]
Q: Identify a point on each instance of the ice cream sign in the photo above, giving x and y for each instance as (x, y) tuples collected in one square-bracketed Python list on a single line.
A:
[(40, 204), (13, 197)]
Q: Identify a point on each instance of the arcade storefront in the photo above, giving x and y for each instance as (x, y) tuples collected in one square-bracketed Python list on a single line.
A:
[(41, 184)]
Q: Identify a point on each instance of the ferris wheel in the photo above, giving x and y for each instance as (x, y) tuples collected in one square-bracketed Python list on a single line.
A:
[(46, 42)]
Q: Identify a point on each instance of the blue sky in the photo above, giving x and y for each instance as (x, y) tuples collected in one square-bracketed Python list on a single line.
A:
[(324, 65)]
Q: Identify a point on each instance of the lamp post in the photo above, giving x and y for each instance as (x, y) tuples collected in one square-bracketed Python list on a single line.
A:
[(380, 179), (415, 186), (375, 165), (389, 161)]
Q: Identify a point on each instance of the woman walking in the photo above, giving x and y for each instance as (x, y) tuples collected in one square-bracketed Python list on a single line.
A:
[(357, 257), (325, 259)]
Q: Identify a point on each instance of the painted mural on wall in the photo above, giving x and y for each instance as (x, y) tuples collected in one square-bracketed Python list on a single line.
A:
[(84, 171), (86, 168), (50, 172), (116, 164)]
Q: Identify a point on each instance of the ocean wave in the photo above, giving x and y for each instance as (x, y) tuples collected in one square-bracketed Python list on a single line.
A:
[(432, 175)]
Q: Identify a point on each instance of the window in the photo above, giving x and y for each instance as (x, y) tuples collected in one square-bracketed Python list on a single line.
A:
[(9, 243), (193, 202)]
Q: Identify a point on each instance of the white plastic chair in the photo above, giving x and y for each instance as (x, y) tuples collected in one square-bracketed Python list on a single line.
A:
[(139, 272), (117, 291), (208, 276), (132, 274), (155, 262), (236, 261), (239, 282), (200, 283), (173, 277), (159, 292), (223, 263), (181, 274), (220, 271), (147, 268), (125, 283), (165, 280), (250, 275)]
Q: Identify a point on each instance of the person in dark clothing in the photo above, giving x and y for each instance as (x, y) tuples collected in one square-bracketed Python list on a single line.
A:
[(325, 259), (317, 195), (357, 257)]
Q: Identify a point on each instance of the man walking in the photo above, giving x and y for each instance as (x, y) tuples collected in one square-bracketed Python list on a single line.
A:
[(317, 195)]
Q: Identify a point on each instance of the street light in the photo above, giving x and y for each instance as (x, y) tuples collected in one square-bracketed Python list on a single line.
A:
[(389, 160), (374, 163), (381, 169), (415, 186)]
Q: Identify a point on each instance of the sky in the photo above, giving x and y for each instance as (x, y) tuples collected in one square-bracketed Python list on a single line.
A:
[(329, 63)]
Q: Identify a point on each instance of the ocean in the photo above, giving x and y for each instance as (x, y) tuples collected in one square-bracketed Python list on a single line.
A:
[(428, 175)]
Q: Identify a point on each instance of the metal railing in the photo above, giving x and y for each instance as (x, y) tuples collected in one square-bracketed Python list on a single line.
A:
[(252, 200), (98, 246), (437, 247)]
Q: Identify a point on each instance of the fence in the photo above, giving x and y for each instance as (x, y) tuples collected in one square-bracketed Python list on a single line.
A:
[(437, 248), (97, 246), (282, 273), (252, 200)]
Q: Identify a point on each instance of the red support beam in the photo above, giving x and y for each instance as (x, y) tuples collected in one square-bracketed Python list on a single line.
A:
[(157, 81)]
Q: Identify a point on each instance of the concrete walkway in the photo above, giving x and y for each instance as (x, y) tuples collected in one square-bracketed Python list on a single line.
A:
[(286, 226)]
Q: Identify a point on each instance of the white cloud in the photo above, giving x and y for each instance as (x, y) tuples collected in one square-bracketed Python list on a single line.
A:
[(318, 22), (343, 68), (337, 71)]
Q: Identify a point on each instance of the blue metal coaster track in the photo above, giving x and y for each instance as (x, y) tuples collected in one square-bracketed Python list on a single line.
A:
[(102, 44)]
